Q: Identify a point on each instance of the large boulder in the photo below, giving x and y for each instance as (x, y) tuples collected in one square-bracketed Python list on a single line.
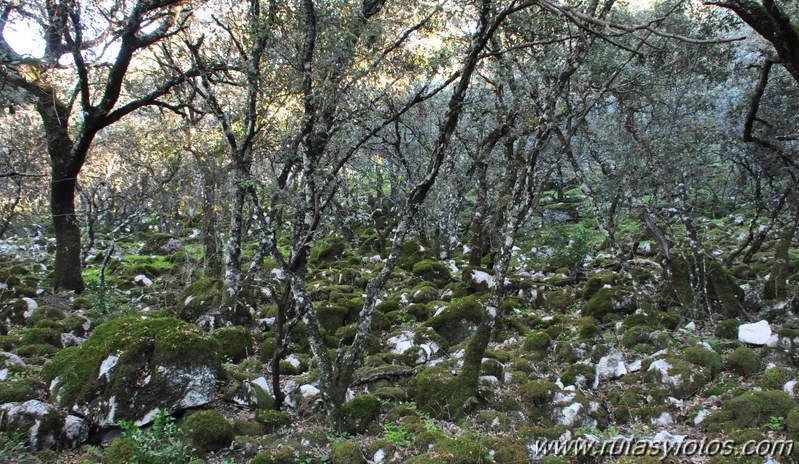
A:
[(131, 367)]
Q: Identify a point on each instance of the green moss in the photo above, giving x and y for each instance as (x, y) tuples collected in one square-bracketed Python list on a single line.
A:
[(537, 392), (18, 390), (272, 420), (140, 343), (728, 329), (744, 361), (636, 336), (774, 378), (700, 356), (449, 322), (361, 412), (682, 380), (41, 336), (267, 349), (431, 270), (347, 452), (235, 343), (461, 450), (248, 428), (8, 342), (120, 451), (608, 301), (537, 341), (439, 393), (39, 349), (587, 327), (424, 293), (558, 299), (45, 312), (757, 408), (572, 373), (420, 312), (199, 298), (505, 451), (208, 430), (331, 251)]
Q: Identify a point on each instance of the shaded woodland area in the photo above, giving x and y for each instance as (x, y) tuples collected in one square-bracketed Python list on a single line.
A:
[(397, 232)]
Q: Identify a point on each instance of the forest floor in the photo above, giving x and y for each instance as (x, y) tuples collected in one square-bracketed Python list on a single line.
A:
[(576, 362)]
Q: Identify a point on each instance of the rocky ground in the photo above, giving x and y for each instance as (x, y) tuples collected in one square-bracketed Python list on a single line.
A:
[(574, 358)]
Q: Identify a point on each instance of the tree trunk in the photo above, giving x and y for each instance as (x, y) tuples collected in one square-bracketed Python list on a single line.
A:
[(776, 285), (67, 271)]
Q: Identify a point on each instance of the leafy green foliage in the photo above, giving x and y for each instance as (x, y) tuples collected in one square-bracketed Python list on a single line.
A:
[(161, 443)]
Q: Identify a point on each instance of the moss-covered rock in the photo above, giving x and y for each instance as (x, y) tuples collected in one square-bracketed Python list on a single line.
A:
[(235, 343), (272, 420), (41, 336), (130, 367), (432, 271), (439, 393), (728, 329), (679, 379), (703, 357), (204, 296), (361, 412), (537, 342), (775, 378), (744, 361), (208, 430), (753, 409), (614, 300), (581, 375), (120, 451), (347, 452), (458, 321), (18, 390)]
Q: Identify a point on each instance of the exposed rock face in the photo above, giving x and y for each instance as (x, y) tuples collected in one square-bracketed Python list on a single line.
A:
[(44, 425), (132, 367), (610, 367), (757, 333)]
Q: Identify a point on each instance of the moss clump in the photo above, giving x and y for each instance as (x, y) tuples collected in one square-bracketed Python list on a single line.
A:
[(412, 252), (267, 349), (17, 390), (578, 374), (331, 251), (558, 300), (537, 342), (420, 312), (208, 430), (774, 378), (680, 379), (235, 343), (120, 451), (45, 312), (347, 452), (439, 393), (158, 346), (505, 451), (200, 298), (455, 323), (587, 327), (432, 271), (361, 412), (272, 420), (728, 329), (424, 293), (744, 361), (757, 408), (41, 336), (700, 356), (461, 450), (38, 349), (608, 301), (537, 392), (637, 336)]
